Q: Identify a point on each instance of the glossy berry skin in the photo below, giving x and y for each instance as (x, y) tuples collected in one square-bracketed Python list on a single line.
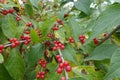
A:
[(66, 63), (1, 47), (61, 65), (68, 68), (82, 39), (95, 41), (29, 24), (57, 56), (60, 21), (18, 18), (55, 28), (11, 11), (59, 70), (71, 40), (66, 15), (63, 78)]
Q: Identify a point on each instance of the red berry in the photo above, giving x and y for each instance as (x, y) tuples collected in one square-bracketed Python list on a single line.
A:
[(95, 41), (59, 70), (62, 47), (13, 45), (66, 15), (1, 51), (105, 35), (42, 76), (59, 60), (61, 65), (57, 56), (29, 24), (11, 11), (54, 48), (63, 78), (68, 68), (60, 21), (17, 42), (71, 40), (38, 76), (1, 47), (18, 18), (66, 63)]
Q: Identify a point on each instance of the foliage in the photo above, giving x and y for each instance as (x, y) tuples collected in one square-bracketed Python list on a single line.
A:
[(48, 40)]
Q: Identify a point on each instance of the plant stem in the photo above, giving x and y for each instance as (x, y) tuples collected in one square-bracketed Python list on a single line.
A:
[(109, 35), (66, 74)]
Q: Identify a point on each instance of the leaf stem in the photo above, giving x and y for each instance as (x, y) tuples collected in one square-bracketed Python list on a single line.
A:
[(66, 74), (109, 35)]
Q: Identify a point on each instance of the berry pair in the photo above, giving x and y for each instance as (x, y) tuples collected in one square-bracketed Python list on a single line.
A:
[(71, 40), (82, 39), (14, 42)]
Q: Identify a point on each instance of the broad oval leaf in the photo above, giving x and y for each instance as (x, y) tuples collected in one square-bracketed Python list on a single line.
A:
[(83, 5), (70, 54), (9, 27), (104, 51), (29, 9), (4, 75), (114, 69), (15, 65), (34, 55)]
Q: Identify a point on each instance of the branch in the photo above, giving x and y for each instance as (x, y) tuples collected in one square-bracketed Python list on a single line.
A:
[(109, 35), (66, 74)]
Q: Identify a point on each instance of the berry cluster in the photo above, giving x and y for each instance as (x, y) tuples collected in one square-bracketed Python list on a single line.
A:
[(26, 38), (10, 11), (41, 75), (62, 65), (58, 45), (59, 21), (28, 24), (71, 40), (82, 39), (1, 48), (42, 63), (54, 28), (14, 42), (95, 40)]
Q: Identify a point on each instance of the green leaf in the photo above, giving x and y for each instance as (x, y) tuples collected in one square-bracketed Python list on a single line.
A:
[(47, 25), (34, 55), (75, 29), (4, 75), (52, 68), (31, 75), (15, 65), (77, 78), (35, 3), (70, 54), (9, 27), (88, 73), (104, 51), (84, 6), (114, 70), (34, 36), (61, 14), (29, 9), (1, 58), (107, 20), (60, 34)]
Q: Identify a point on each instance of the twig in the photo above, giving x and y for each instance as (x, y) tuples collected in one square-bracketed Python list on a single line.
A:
[(109, 35), (66, 74)]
